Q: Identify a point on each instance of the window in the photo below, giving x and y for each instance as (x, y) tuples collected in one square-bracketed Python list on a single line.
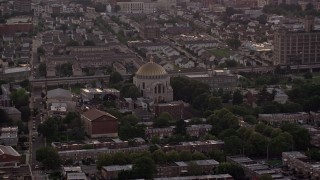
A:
[(143, 85)]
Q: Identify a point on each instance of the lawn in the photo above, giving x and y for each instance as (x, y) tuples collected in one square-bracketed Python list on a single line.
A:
[(220, 53)]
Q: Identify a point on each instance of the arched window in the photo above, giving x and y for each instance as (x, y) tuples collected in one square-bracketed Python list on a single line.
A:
[(159, 88), (143, 85), (155, 90)]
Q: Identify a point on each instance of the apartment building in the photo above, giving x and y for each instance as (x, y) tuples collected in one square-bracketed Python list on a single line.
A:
[(253, 169), (137, 7), (201, 146), (298, 161), (280, 118), (9, 136), (297, 47)]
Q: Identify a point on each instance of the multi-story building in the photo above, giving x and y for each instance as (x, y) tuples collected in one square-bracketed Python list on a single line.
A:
[(217, 79), (150, 30), (9, 157), (201, 146), (276, 119), (192, 130), (168, 170), (252, 168), (9, 136), (297, 47), (140, 6), (200, 177), (302, 164), (88, 94), (99, 124), (22, 5)]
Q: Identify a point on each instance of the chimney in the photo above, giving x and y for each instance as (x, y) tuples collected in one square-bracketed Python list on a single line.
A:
[(308, 23)]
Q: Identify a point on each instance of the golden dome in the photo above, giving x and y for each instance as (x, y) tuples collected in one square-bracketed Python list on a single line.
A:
[(151, 69)]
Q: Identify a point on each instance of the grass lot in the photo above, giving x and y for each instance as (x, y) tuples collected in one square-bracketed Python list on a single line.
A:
[(220, 53)]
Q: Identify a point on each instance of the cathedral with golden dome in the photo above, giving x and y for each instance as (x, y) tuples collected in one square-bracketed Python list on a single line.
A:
[(153, 82)]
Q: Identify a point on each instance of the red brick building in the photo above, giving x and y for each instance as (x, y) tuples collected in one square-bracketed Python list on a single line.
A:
[(99, 124), (15, 28), (9, 157), (175, 109), (150, 30)]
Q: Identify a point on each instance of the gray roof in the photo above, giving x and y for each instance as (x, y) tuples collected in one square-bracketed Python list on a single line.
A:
[(59, 93), (118, 167)]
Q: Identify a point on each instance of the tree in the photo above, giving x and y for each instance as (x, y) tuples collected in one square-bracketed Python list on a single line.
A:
[(172, 156), (228, 168), (144, 167), (262, 19), (181, 127), (234, 43), (308, 75), (72, 43), (214, 103), (49, 157), (265, 177), (300, 135), (49, 128), (89, 43), (163, 120), (129, 90), (65, 69), (250, 119), (119, 158), (233, 145), (64, 27), (104, 160), (159, 156), (4, 117), (117, 8), (194, 169), (99, 7), (217, 155), (185, 156), (20, 98), (198, 156), (115, 78), (259, 144), (25, 112), (40, 51), (42, 69), (237, 97)]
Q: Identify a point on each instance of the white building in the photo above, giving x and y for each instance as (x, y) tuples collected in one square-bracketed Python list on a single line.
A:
[(153, 82)]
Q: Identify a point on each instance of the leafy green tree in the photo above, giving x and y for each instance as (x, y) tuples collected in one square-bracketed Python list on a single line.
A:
[(228, 168), (217, 155), (172, 156), (234, 43), (163, 120), (262, 19), (25, 113), (64, 27), (49, 157), (104, 160), (115, 78), (181, 127), (20, 98), (194, 169), (308, 75), (49, 128), (129, 90), (72, 43), (313, 153), (233, 145), (265, 177), (250, 119), (198, 156), (119, 158), (185, 156), (40, 51), (117, 8), (144, 167), (159, 156), (65, 69), (42, 69), (4, 117), (300, 135), (237, 97), (259, 144), (214, 103), (89, 43), (281, 143)]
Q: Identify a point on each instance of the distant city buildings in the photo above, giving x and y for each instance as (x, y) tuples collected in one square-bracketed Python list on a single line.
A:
[(297, 47)]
